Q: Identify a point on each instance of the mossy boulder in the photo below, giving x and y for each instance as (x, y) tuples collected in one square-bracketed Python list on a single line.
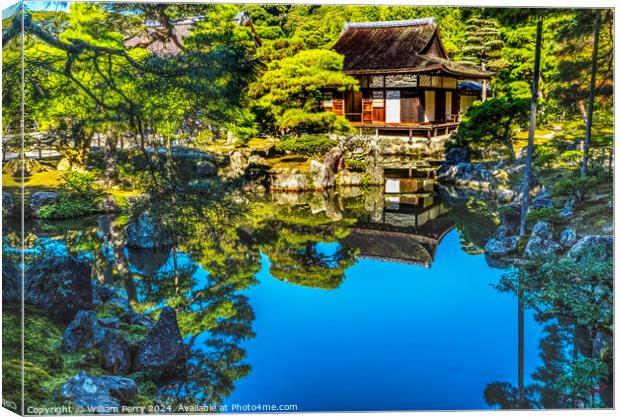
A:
[(162, 353), (59, 285)]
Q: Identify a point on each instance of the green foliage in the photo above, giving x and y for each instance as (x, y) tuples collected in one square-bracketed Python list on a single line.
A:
[(580, 287), (288, 96), (296, 120), (571, 157), (42, 355), (482, 44), (573, 185), (582, 381), (77, 196), (355, 165), (545, 156), (307, 145), (546, 214), (491, 124), (475, 223)]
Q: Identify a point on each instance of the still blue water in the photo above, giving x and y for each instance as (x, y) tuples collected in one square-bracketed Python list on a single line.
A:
[(392, 337)]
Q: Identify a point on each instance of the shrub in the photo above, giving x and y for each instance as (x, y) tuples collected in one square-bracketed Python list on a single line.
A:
[(546, 214), (354, 165), (77, 196), (307, 145), (571, 157), (298, 120), (66, 209), (573, 185), (491, 124), (545, 156)]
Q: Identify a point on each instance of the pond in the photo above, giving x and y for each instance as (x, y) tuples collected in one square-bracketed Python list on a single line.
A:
[(354, 300)]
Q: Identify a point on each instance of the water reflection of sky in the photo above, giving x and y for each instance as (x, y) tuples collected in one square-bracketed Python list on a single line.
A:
[(391, 337)]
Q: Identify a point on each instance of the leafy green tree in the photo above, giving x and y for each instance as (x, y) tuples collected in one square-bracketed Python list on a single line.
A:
[(289, 93), (585, 49), (491, 124)]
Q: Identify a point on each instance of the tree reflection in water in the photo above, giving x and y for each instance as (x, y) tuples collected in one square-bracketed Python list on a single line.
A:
[(217, 243)]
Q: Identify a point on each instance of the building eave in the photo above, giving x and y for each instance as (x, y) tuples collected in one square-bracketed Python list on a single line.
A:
[(430, 70)]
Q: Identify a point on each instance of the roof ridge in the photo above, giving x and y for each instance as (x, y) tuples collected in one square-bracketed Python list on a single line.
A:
[(390, 23)]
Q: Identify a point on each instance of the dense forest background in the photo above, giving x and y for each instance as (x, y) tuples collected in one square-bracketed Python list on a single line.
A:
[(264, 75)]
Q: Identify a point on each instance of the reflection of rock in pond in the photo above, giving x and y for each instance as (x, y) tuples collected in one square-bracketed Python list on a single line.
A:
[(410, 228)]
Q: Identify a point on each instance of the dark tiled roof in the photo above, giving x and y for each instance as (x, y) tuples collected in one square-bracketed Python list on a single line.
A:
[(398, 46)]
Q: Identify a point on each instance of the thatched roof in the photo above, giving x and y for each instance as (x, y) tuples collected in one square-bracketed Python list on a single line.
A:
[(411, 46), (391, 246), (161, 40)]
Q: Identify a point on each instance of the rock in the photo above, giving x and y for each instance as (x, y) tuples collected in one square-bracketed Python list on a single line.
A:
[(601, 345), (510, 216), (60, 285), (349, 178), (587, 244), (162, 353), (45, 247), (568, 209), (102, 294), (115, 352), (502, 246), (140, 319), (607, 229), (289, 181), (83, 333), (108, 204), (143, 233), (457, 155), (206, 169), (110, 322), (501, 176), (375, 175), (541, 242), (11, 281), (86, 332), (65, 165), (256, 159), (334, 160), (238, 163), (542, 200), (41, 198), (7, 203), (322, 176), (568, 237), (104, 394), (451, 173), (505, 195)]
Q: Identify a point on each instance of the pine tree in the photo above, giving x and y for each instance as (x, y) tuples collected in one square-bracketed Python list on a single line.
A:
[(482, 45)]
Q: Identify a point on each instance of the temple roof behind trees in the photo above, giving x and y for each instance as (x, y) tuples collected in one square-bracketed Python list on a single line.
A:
[(402, 46), (159, 40)]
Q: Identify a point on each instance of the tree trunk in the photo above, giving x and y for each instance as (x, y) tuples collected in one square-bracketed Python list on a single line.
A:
[(530, 138), (484, 87), (110, 173), (586, 143)]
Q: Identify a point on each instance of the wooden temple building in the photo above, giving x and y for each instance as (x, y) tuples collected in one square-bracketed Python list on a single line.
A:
[(407, 81)]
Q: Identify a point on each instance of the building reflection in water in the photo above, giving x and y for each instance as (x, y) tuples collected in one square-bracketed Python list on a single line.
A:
[(409, 228)]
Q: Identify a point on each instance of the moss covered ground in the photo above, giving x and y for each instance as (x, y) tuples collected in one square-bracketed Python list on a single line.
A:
[(46, 367)]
